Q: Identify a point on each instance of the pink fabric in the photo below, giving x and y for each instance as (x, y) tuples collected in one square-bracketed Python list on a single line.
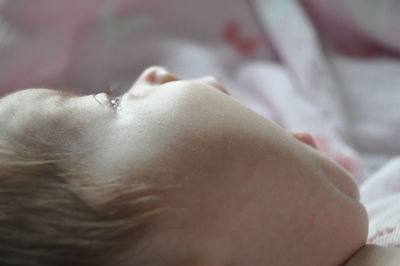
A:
[(326, 67), (358, 25)]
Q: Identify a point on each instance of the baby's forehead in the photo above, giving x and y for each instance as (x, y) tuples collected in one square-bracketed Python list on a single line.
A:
[(34, 96), (26, 95), (22, 102), (21, 105), (32, 111)]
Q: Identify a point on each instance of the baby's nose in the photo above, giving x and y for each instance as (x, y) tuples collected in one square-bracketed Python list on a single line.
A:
[(156, 75), (151, 78)]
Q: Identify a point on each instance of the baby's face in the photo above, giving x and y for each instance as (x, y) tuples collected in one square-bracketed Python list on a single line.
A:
[(251, 194)]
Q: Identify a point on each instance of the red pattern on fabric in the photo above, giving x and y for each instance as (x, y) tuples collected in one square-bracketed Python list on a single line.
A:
[(233, 36), (366, 51), (381, 233)]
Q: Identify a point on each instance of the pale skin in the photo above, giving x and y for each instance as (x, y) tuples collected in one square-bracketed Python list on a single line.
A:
[(252, 194)]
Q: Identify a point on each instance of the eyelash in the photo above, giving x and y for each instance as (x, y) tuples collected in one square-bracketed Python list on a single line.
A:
[(113, 101)]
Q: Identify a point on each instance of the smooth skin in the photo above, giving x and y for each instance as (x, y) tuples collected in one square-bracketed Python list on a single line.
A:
[(250, 193)]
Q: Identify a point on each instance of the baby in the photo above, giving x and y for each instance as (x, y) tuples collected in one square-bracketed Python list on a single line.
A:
[(172, 172)]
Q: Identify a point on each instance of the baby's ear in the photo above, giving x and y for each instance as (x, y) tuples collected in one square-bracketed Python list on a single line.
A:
[(305, 138)]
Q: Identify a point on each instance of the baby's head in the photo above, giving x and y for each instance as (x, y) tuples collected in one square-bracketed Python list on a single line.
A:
[(172, 172)]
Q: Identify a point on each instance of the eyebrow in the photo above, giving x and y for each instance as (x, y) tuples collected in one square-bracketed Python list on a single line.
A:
[(63, 93), (67, 93), (70, 93)]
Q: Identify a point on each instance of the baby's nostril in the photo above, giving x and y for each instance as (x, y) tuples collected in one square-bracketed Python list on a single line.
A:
[(150, 74), (163, 76), (159, 75)]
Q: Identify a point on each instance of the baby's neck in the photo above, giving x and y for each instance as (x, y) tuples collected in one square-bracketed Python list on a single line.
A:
[(373, 255)]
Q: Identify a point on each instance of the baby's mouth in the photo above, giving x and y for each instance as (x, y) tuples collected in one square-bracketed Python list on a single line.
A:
[(306, 138)]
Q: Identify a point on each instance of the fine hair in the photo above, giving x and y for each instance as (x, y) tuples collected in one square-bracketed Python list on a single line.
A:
[(44, 221)]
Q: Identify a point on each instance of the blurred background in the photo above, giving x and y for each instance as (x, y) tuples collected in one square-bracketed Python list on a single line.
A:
[(88, 45)]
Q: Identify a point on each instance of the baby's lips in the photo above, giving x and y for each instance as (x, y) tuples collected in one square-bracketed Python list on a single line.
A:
[(305, 138)]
